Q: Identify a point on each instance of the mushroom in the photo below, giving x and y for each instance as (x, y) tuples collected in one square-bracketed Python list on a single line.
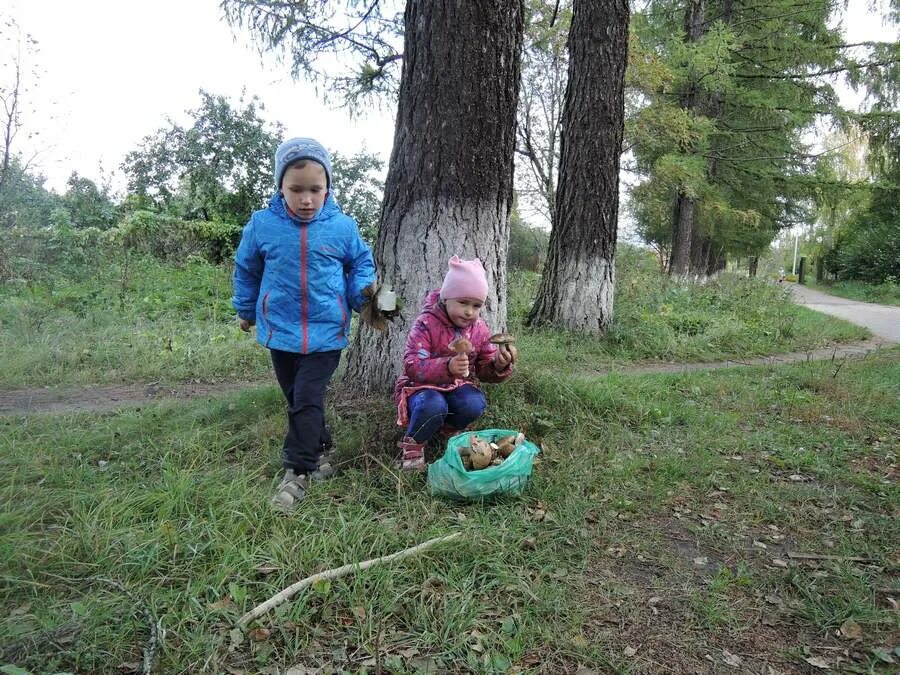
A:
[(506, 445), (481, 454), (504, 342), (461, 346)]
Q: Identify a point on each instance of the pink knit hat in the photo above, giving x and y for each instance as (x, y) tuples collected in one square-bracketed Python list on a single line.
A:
[(464, 279)]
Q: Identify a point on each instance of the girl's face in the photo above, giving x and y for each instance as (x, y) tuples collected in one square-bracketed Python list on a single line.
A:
[(305, 187), (463, 312)]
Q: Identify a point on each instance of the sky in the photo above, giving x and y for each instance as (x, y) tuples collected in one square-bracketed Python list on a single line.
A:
[(112, 71)]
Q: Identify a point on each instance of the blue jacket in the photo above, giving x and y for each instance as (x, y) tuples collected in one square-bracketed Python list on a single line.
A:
[(299, 281)]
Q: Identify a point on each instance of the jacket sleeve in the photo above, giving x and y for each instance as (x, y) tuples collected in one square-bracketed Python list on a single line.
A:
[(418, 363), (485, 368), (248, 270), (360, 268)]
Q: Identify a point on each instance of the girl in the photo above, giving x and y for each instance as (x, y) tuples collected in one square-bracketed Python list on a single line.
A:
[(447, 352)]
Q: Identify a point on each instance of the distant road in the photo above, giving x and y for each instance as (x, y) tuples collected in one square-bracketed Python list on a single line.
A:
[(882, 320)]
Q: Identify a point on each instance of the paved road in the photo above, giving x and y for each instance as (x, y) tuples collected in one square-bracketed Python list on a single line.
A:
[(882, 320)]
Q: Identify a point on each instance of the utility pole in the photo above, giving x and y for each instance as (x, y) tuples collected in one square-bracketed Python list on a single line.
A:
[(796, 241)]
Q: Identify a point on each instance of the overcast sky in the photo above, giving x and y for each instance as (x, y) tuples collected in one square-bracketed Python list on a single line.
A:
[(111, 71)]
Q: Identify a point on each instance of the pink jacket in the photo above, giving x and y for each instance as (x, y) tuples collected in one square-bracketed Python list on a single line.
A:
[(427, 354)]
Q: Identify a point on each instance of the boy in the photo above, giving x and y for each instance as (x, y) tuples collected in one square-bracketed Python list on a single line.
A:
[(300, 268)]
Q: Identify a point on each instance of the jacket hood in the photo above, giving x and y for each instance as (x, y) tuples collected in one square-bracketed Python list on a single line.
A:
[(435, 307), (279, 207)]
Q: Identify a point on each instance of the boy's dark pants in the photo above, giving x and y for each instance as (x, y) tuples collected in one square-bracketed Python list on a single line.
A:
[(303, 379)]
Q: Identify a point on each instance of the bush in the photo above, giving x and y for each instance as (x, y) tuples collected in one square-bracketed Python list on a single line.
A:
[(527, 246), (172, 239)]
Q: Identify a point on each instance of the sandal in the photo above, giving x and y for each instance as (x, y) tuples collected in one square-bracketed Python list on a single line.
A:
[(327, 458), (291, 491), (326, 468)]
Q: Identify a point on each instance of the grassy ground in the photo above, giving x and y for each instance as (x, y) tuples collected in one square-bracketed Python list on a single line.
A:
[(153, 322), (884, 294), (655, 536)]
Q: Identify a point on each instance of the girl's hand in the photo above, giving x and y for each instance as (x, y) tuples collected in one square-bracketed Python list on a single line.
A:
[(245, 325), (506, 354), (459, 365)]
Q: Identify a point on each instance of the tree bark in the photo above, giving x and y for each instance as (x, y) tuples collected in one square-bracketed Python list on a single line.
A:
[(449, 184), (683, 219), (576, 290)]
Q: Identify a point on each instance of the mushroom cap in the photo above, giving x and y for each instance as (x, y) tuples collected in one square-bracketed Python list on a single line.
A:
[(460, 345), (502, 338)]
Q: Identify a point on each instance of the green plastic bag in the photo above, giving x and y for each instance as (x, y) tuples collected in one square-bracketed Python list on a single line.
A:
[(447, 477)]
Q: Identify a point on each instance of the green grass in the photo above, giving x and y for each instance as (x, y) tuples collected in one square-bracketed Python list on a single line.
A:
[(659, 520), (153, 321), (884, 294)]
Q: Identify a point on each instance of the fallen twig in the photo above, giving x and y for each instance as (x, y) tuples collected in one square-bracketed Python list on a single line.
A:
[(821, 556), (295, 588)]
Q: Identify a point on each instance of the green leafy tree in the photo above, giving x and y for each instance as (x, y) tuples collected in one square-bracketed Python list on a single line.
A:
[(218, 168), (367, 35), (359, 189), (24, 201), (721, 142), (88, 205)]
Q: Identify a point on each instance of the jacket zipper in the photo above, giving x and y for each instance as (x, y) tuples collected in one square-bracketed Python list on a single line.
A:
[(304, 300)]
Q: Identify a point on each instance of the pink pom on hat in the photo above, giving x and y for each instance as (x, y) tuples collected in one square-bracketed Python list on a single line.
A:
[(464, 279)]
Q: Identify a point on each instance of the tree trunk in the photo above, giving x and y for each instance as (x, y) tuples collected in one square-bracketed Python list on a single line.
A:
[(449, 184), (682, 232), (754, 266), (576, 290), (683, 220)]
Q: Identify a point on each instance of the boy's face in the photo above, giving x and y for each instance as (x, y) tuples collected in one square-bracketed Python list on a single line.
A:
[(463, 312), (305, 187)]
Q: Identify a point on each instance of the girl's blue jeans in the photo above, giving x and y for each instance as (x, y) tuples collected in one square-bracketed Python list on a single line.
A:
[(429, 410)]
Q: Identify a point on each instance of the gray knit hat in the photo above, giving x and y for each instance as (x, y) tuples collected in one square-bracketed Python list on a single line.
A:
[(300, 148)]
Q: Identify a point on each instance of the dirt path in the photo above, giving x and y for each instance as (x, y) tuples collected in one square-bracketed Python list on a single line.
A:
[(106, 397), (95, 398)]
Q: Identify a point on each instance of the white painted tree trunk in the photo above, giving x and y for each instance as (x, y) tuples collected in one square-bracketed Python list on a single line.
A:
[(449, 183), (576, 290)]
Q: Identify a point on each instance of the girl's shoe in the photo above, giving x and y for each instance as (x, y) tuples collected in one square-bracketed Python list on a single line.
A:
[(412, 456)]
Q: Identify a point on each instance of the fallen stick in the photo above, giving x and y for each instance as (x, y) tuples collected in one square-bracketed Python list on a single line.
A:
[(820, 556), (295, 588)]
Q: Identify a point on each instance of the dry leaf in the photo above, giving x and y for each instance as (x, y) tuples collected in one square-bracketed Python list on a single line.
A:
[(701, 561), (224, 603), (732, 660), (778, 562), (817, 662), (851, 630), (266, 569), (259, 634), (360, 613), (629, 651)]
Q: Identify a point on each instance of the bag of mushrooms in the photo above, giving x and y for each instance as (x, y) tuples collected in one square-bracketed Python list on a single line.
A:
[(482, 464)]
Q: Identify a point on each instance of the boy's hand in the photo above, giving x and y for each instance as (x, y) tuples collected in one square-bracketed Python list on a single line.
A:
[(459, 365), (506, 354), (245, 325)]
